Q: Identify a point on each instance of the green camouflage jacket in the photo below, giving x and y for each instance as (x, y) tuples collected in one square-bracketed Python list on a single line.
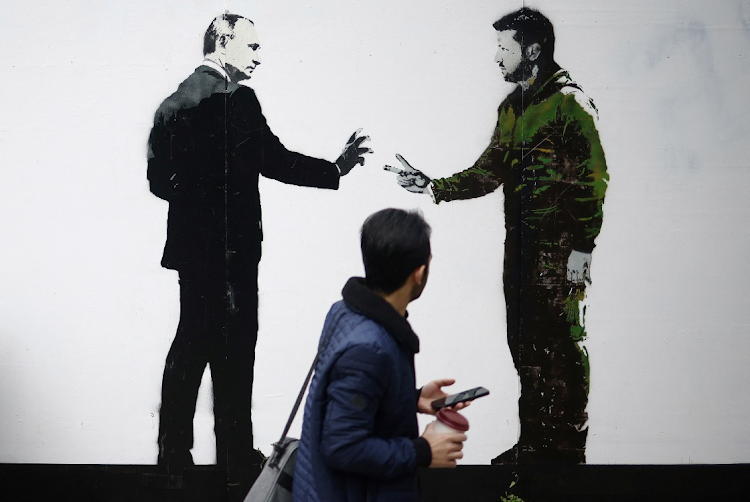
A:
[(546, 153)]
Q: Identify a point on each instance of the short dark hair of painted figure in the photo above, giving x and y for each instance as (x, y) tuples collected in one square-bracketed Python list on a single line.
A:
[(531, 27), (209, 144), (525, 45), (546, 155), (394, 242)]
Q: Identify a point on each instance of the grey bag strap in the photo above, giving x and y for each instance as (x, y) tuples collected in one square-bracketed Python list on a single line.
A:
[(280, 445)]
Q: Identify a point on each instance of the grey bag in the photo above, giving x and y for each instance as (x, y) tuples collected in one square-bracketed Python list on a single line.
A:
[(274, 484)]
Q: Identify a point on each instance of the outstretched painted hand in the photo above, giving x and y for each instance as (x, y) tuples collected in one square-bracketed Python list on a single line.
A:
[(579, 267), (353, 153), (411, 179)]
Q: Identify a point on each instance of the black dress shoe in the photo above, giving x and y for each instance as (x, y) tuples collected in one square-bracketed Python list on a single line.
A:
[(529, 456), (175, 461), (508, 457)]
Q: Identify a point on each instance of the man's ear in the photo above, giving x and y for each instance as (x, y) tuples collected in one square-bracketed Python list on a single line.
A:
[(533, 51), (418, 274), (223, 39)]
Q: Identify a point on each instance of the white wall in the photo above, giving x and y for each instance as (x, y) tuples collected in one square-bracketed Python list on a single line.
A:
[(87, 314)]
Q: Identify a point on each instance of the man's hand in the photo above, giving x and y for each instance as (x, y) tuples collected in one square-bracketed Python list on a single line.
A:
[(579, 267), (353, 152), (432, 391), (411, 179), (446, 448)]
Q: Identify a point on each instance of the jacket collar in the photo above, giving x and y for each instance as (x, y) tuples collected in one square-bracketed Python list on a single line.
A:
[(368, 303), (215, 67), (551, 80), (552, 72), (218, 69)]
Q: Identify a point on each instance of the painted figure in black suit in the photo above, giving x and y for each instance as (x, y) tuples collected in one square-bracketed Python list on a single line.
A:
[(208, 146)]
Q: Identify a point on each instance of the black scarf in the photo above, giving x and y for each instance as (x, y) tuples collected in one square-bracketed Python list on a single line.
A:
[(373, 306)]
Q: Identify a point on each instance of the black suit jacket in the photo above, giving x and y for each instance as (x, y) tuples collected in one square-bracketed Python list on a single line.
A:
[(208, 145)]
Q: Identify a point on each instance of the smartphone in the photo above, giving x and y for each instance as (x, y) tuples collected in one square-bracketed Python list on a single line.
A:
[(461, 397)]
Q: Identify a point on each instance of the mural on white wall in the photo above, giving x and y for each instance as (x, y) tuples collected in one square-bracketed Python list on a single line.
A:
[(546, 153), (88, 314), (209, 145)]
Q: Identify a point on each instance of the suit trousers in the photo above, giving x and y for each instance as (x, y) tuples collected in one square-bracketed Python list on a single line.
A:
[(218, 326)]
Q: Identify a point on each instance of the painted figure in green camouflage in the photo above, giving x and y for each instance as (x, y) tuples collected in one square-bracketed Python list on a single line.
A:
[(546, 154)]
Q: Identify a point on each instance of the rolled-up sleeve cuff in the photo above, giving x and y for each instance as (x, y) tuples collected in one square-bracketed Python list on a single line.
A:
[(424, 453)]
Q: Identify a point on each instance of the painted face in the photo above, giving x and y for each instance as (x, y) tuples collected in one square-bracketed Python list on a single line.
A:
[(509, 54), (242, 51)]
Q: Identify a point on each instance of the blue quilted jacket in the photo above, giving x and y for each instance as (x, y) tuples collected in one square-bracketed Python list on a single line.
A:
[(360, 439)]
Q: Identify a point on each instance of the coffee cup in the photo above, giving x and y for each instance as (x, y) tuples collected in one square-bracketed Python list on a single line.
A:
[(450, 421)]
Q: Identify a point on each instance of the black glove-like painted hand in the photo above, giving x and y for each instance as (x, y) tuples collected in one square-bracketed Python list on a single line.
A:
[(353, 153)]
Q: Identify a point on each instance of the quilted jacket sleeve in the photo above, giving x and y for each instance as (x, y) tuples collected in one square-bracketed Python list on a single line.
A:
[(359, 381)]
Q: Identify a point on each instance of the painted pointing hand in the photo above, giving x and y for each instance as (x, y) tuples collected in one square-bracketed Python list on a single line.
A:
[(409, 178)]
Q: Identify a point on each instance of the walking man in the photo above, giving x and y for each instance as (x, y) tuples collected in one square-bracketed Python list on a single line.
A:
[(360, 438)]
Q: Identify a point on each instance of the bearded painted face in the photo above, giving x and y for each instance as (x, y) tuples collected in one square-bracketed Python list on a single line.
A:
[(515, 66)]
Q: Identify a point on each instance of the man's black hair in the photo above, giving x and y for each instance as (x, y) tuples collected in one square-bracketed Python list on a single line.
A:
[(394, 244), (213, 33), (531, 27)]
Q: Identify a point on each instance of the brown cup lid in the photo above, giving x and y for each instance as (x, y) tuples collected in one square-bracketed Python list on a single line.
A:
[(453, 419)]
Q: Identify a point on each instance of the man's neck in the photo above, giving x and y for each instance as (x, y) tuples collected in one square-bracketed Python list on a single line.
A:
[(529, 82), (215, 64), (539, 76), (399, 300)]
